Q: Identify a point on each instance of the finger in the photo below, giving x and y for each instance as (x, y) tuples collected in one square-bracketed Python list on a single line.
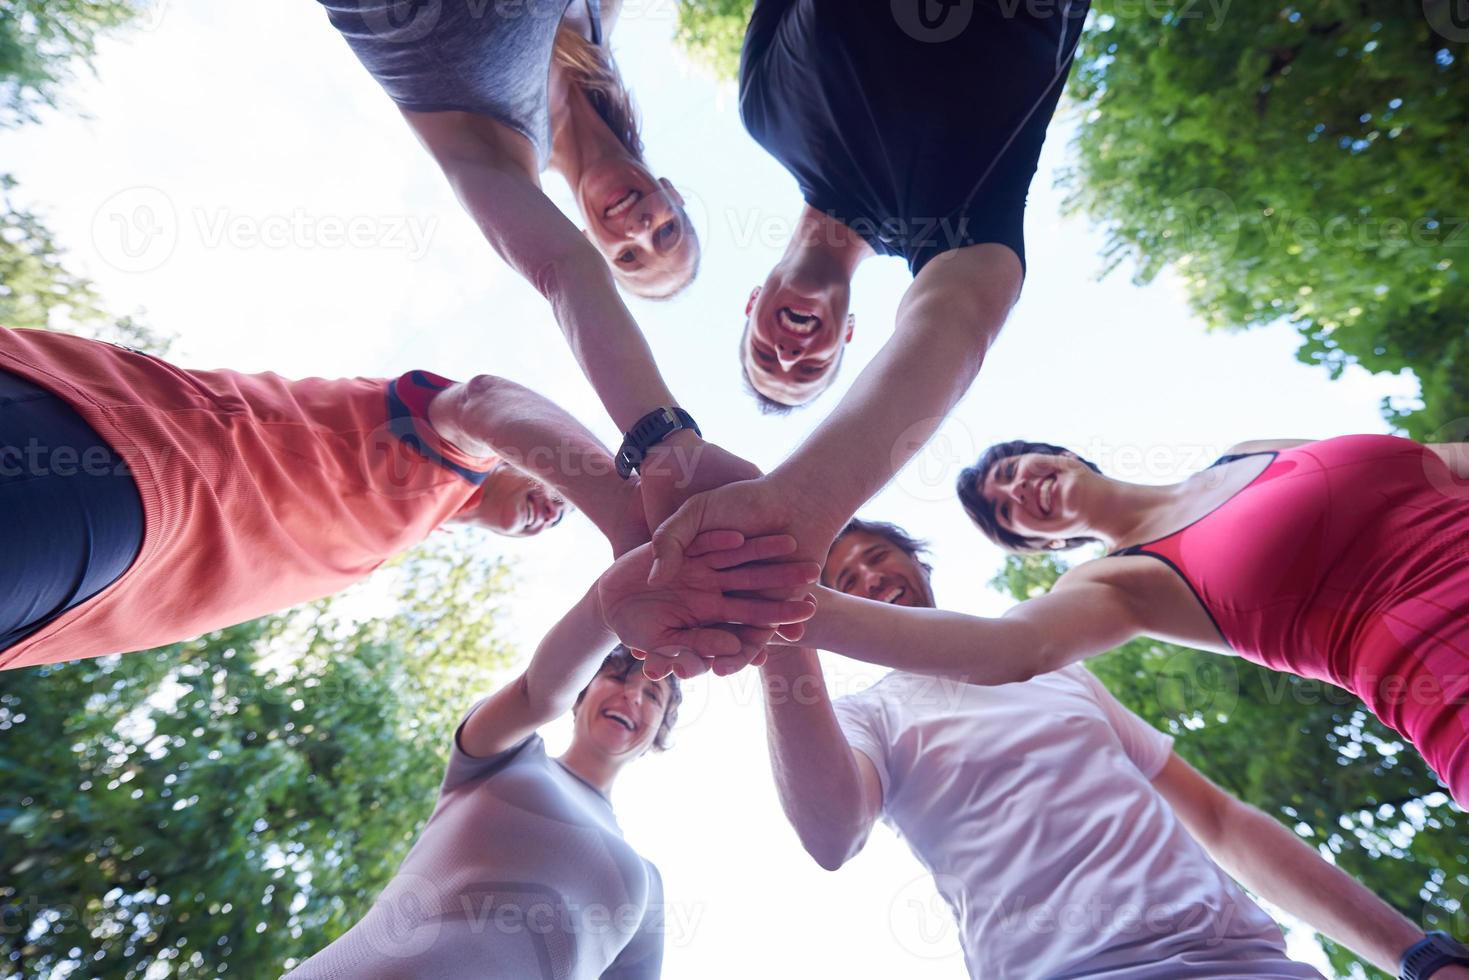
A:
[(713, 541), (792, 632), (705, 641), (725, 666), (765, 612), (758, 578), (672, 539), (753, 549), (638, 654), (656, 666)]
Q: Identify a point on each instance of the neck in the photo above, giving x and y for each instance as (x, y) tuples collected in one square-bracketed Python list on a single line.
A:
[(579, 137), (596, 768), (823, 248), (1129, 512)]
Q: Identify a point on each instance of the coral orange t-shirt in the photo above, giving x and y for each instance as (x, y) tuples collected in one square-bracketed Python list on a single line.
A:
[(258, 492)]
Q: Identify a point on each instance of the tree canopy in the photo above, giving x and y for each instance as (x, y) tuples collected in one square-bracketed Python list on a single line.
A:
[(231, 804), (43, 42)]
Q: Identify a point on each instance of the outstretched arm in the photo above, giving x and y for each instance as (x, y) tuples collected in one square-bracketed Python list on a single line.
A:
[(1035, 637), (830, 792), (495, 182), (488, 415), (564, 663), (1271, 861), (945, 325)]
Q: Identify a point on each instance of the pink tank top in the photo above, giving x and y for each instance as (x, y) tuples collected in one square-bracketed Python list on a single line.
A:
[(1347, 561)]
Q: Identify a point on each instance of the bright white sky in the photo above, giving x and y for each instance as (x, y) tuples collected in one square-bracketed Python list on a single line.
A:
[(243, 138)]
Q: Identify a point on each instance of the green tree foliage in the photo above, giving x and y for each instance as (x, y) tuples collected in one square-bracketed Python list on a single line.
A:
[(1287, 161), (229, 805), (1307, 753), (1296, 161), (41, 44), (713, 31)]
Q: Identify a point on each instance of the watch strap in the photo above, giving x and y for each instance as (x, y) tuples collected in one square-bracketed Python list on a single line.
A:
[(648, 432), (1432, 953)]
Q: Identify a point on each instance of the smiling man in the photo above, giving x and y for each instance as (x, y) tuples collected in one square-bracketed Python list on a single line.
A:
[(1065, 834), (913, 130), (230, 495)]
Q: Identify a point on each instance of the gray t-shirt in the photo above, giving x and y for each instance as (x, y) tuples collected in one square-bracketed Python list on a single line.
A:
[(1033, 807), (521, 873), (490, 57)]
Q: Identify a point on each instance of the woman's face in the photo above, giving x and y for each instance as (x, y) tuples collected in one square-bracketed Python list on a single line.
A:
[(639, 225), (621, 715), (1039, 496)]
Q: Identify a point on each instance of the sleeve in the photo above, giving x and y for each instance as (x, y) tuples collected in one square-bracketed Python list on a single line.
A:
[(863, 720), (465, 768), (642, 958), (1147, 747)]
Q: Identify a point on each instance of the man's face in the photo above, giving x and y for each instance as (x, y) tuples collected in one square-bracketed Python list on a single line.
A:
[(872, 567), (516, 505), (794, 335)]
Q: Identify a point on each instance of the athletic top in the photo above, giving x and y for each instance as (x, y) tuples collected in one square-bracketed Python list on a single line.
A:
[(521, 873), (491, 57), (1033, 807), (919, 132), (73, 518), (258, 492), (1347, 561)]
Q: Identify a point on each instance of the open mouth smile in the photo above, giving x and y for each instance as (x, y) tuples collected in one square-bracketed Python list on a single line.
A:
[(623, 205), (800, 324), (1046, 497), (621, 719)]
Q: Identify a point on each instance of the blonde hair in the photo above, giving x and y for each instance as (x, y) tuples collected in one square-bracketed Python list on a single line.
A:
[(590, 68)]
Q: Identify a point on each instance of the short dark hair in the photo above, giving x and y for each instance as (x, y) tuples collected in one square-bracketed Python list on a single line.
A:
[(982, 512), (897, 537), (620, 663), (768, 405)]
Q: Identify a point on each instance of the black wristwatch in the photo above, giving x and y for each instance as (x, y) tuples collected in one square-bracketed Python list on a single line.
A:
[(1432, 953), (650, 430)]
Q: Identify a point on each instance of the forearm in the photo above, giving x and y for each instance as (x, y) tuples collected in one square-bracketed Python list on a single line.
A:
[(815, 774), (1271, 861), (538, 437), (536, 239), (932, 642), (568, 657), (945, 325)]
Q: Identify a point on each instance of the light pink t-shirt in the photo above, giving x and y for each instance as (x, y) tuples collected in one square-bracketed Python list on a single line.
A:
[(1033, 807)]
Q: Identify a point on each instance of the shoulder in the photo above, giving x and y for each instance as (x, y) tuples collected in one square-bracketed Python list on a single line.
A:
[(1255, 446)]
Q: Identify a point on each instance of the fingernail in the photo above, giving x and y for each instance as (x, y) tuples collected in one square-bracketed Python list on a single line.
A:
[(653, 572)]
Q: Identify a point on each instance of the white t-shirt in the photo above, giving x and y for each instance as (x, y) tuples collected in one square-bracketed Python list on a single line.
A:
[(1033, 807)]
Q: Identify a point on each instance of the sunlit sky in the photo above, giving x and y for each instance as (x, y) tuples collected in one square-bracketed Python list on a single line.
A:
[(234, 171)]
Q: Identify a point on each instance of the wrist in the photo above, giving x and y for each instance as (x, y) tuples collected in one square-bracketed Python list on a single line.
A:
[(1436, 955), (653, 436)]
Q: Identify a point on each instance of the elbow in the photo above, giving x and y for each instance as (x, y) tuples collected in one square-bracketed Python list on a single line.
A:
[(833, 848)]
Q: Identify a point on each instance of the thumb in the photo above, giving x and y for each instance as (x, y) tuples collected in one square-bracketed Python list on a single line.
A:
[(672, 539)]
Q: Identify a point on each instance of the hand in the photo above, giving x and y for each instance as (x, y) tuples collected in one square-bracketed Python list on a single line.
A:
[(684, 465), (697, 614), (755, 507)]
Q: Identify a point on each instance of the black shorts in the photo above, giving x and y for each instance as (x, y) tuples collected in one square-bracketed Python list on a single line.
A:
[(70, 514)]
